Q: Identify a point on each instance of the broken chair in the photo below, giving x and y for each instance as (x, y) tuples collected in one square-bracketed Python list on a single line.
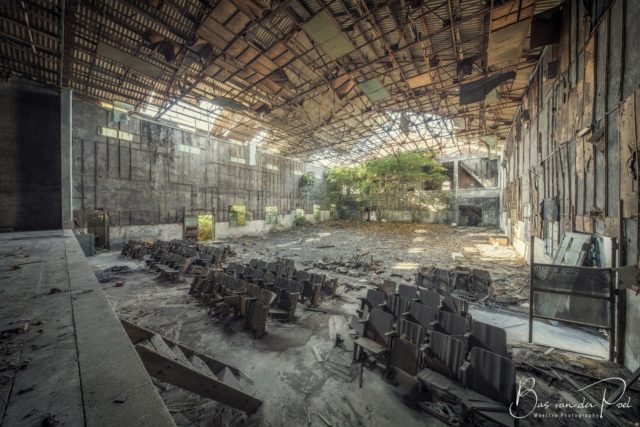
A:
[(376, 339), (288, 294)]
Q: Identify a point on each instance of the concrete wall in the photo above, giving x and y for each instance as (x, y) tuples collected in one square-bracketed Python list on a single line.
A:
[(553, 154), (119, 235), (29, 157), (165, 173)]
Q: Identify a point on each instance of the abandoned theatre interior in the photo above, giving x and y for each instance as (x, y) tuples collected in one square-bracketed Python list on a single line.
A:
[(319, 213)]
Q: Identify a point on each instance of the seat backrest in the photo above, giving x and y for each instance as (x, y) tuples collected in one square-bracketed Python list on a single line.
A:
[(455, 305), (480, 281), (460, 278), (241, 285), (407, 291), (442, 280), (302, 275), (380, 322), (268, 277), (429, 297), (452, 324), (252, 290), (317, 279), (272, 267), (280, 282), (424, 314), (449, 351), (411, 331), (491, 374), (389, 287), (375, 297), (294, 286), (257, 274), (488, 337), (266, 297), (398, 305)]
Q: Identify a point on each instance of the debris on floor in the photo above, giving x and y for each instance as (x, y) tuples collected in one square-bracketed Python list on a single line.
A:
[(304, 361), (112, 274)]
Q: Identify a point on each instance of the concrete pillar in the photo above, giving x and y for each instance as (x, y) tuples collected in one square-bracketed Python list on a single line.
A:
[(454, 203), (66, 159)]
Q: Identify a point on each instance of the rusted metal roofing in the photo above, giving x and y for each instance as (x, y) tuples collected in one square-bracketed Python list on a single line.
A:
[(309, 95)]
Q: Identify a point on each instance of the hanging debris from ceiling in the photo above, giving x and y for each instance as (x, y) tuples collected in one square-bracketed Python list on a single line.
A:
[(478, 90)]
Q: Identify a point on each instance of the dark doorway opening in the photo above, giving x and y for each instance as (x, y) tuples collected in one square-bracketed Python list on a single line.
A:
[(98, 225), (469, 215)]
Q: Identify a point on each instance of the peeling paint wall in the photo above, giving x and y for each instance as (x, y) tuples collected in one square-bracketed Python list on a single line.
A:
[(574, 147)]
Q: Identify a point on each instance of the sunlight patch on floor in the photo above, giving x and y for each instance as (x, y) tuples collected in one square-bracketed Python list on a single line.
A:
[(405, 266), (417, 250)]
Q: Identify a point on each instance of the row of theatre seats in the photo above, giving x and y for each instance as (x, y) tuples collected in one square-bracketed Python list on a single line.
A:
[(176, 257), (435, 340), (473, 282), (312, 287), (259, 290)]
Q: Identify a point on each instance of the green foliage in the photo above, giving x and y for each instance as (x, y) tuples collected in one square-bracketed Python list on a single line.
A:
[(237, 215), (300, 218), (307, 180), (271, 215), (385, 177), (435, 200)]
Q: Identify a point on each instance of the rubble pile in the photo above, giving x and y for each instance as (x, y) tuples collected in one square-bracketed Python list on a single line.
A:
[(352, 266)]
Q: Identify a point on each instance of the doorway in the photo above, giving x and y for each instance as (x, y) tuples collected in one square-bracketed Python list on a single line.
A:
[(98, 225), (469, 215)]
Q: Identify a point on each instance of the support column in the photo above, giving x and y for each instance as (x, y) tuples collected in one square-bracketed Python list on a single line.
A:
[(456, 211), (66, 159)]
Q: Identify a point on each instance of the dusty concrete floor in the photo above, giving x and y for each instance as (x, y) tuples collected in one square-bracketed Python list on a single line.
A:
[(282, 367)]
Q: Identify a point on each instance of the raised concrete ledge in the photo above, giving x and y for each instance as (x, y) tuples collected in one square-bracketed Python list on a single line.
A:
[(116, 387), (74, 365)]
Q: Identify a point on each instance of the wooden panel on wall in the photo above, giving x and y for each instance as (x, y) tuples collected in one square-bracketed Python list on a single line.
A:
[(589, 82), (628, 135)]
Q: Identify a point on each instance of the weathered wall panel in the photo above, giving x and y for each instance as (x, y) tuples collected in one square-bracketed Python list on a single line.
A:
[(166, 173), (29, 157), (585, 124)]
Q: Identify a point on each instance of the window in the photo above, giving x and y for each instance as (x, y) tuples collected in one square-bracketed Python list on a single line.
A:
[(271, 214), (237, 215)]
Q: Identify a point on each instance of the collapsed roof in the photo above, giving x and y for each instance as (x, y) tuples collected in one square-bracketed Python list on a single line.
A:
[(335, 80)]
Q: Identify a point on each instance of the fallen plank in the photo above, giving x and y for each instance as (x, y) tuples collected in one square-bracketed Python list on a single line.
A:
[(317, 353), (187, 378)]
